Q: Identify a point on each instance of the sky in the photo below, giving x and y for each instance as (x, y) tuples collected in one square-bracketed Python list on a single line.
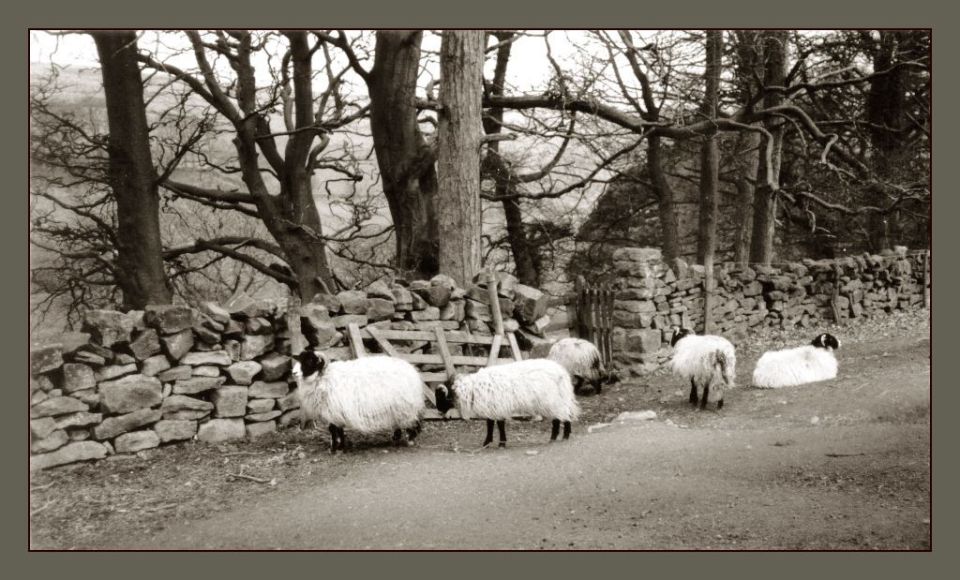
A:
[(529, 67)]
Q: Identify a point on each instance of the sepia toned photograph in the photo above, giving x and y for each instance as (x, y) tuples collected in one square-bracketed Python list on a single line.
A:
[(476, 290)]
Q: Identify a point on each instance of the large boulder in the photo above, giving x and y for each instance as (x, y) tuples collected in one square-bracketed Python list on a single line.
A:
[(69, 453), (531, 304), (77, 377), (230, 401), (169, 318), (130, 393), (46, 358), (108, 327), (113, 426), (55, 406), (220, 430)]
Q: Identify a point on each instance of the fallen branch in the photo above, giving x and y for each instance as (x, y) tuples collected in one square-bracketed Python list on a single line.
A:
[(844, 454), (41, 487), (43, 507), (242, 475), (160, 508)]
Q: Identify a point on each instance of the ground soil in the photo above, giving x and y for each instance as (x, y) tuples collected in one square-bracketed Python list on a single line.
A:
[(842, 464)]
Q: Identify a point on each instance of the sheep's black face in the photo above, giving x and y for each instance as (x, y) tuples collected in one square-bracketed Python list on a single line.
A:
[(446, 396), (680, 333), (826, 341), (310, 363)]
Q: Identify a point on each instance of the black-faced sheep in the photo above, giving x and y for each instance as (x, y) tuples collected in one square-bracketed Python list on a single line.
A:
[(529, 387), (582, 360), (369, 395), (708, 361), (796, 366)]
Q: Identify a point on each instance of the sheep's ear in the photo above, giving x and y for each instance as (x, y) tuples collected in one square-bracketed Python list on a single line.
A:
[(321, 363)]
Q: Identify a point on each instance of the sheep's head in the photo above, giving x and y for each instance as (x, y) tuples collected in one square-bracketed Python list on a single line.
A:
[(828, 341), (446, 395), (310, 363), (678, 334)]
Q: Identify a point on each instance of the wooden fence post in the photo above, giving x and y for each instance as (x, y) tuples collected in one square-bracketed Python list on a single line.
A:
[(293, 324), (835, 300), (494, 303), (926, 280)]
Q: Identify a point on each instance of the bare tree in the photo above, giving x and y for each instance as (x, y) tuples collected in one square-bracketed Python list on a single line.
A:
[(279, 192), (133, 182), (710, 153), (405, 159)]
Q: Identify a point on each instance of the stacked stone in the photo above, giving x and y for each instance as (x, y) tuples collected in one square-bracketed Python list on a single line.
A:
[(650, 301), (652, 298), (133, 381), (424, 305)]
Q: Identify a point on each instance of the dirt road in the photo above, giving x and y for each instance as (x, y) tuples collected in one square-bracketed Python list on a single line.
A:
[(843, 464)]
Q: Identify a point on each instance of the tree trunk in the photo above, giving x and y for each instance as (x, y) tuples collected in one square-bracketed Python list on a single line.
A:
[(669, 228), (709, 155), (458, 167), (291, 217), (747, 158), (747, 155), (131, 173), (765, 200), (523, 255), (886, 113), (406, 163)]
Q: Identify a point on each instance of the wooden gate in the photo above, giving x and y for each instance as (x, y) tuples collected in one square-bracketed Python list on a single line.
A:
[(440, 341), (590, 316)]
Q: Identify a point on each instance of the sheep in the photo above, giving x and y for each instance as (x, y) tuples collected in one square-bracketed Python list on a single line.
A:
[(796, 366), (582, 360), (497, 393), (708, 361), (369, 395)]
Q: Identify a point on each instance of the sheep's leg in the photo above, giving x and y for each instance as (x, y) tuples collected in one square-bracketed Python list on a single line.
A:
[(693, 391), (706, 393), (397, 437), (597, 386), (502, 428), (566, 430), (413, 432), (343, 440), (555, 430), (489, 438), (578, 385), (720, 403), (334, 434)]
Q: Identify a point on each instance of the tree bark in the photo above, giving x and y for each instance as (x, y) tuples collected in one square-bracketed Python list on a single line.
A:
[(523, 255), (291, 217), (709, 154), (132, 176), (765, 200), (886, 113), (406, 162), (669, 227), (747, 155), (458, 167)]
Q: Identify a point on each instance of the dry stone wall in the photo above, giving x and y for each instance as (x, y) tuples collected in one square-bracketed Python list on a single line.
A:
[(652, 299), (133, 381)]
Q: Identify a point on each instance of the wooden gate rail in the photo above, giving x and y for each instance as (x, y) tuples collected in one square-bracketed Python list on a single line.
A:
[(590, 316)]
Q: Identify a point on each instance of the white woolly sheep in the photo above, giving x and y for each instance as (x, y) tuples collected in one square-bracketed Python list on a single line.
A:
[(582, 360), (796, 366), (708, 361), (369, 395), (497, 393)]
